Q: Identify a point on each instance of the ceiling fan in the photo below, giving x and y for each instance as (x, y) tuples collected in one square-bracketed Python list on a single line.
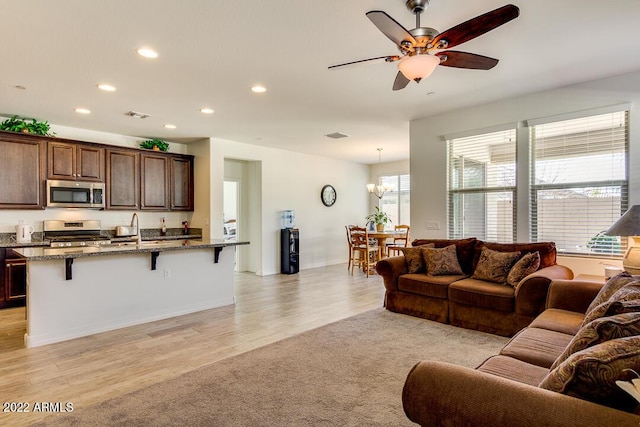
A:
[(423, 48)]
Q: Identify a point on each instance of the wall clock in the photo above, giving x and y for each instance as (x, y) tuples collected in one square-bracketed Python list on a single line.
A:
[(328, 195)]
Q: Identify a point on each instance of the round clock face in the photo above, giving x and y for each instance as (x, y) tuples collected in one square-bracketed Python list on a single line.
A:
[(328, 195)]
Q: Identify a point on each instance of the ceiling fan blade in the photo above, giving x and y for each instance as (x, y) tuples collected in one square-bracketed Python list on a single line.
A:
[(452, 58), (475, 27), (390, 27), (391, 58), (401, 81)]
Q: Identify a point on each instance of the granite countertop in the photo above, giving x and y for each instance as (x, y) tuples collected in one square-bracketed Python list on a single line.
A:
[(121, 247)]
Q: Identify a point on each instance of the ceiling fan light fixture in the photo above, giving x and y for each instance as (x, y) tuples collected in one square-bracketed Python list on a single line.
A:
[(418, 67)]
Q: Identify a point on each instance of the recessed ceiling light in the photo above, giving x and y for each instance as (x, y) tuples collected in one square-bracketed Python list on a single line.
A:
[(106, 87), (259, 89), (206, 110), (170, 126), (147, 53), (82, 111)]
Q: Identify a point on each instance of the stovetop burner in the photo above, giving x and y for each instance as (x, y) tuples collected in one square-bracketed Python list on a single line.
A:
[(74, 233)]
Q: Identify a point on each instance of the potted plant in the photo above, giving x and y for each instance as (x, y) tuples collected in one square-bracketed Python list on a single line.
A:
[(379, 218), (18, 124), (155, 144)]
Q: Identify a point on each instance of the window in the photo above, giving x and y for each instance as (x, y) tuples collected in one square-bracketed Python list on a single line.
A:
[(579, 182), (482, 186), (396, 203)]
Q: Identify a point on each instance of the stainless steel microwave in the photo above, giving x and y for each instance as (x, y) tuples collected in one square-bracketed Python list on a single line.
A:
[(75, 194)]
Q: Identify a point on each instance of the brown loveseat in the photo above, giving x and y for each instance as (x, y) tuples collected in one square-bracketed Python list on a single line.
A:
[(518, 387), (465, 301)]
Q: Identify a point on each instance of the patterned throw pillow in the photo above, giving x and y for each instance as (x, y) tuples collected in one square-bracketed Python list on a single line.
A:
[(601, 330), (525, 266), (611, 287), (494, 266), (629, 292), (442, 261), (590, 374), (414, 259)]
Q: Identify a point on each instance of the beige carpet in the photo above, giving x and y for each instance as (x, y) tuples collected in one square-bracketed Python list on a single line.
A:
[(348, 373)]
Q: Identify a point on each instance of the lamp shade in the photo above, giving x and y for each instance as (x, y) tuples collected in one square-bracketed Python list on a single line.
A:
[(418, 67), (628, 224)]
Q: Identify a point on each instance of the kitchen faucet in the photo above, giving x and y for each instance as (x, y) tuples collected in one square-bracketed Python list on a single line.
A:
[(135, 218)]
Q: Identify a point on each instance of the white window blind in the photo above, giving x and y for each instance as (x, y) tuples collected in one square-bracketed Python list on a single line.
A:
[(579, 182), (482, 186), (397, 203)]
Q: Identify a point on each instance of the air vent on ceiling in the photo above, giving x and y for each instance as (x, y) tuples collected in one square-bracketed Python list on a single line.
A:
[(137, 115), (336, 135)]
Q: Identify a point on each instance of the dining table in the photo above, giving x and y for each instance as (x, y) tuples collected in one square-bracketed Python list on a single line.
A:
[(382, 236)]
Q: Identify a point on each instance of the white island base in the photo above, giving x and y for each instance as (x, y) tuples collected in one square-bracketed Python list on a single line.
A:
[(116, 291)]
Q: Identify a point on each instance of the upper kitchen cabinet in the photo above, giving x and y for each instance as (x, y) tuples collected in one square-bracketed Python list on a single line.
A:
[(154, 185), (70, 161), (123, 179), (181, 186), (22, 171)]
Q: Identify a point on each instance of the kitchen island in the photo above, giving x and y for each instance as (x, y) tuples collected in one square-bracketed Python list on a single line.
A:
[(75, 292)]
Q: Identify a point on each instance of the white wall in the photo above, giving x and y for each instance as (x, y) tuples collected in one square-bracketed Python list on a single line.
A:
[(293, 180), (428, 149)]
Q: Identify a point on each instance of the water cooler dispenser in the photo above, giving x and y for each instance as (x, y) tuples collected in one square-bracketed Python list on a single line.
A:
[(289, 244)]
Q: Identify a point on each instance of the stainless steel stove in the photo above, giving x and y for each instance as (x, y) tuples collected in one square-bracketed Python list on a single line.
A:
[(74, 233)]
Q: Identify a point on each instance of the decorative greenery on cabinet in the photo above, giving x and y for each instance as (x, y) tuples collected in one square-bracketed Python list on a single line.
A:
[(18, 124), (155, 144)]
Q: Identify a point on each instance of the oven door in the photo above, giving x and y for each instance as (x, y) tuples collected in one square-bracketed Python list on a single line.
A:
[(75, 194)]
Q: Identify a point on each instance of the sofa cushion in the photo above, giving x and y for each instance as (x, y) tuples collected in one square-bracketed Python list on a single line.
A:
[(494, 266), (526, 265), (442, 261), (540, 347), (514, 369), (480, 293), (555, 319), (431, 286), (611, 287), (547, 250), (590, 374), (601, 330), (414, 259), (464, 249), (628, 292)]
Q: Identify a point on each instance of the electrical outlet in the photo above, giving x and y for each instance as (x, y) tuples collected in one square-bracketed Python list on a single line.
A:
[(167, 273)]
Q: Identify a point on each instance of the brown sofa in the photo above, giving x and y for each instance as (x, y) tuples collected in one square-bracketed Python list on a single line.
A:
[(466, 301), (517, 386)]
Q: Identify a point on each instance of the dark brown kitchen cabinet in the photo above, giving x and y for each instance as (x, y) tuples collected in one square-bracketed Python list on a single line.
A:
[(22, 171), (123, 179), (73, 162), (181, 186), (154, 187), (13, 280)]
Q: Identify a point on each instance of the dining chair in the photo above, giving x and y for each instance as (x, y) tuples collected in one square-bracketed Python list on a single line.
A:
[(400, 241), (350, 243), (363, 254)]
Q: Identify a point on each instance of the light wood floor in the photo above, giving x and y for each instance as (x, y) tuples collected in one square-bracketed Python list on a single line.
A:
[(96, 368)]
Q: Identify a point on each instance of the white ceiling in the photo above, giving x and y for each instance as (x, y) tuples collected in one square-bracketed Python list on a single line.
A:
[(212, 51)]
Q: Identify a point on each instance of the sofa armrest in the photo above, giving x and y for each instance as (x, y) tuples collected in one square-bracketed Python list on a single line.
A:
[(442, 394), (531, 292), (390, 269), (572, 295)]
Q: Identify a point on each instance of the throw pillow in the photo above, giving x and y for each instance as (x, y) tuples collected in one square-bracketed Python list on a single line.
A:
[(591, 374), (610, 288), (494, 266), (629, 292), (601, 330), (441, 261), (414, 259), (525, 266)]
